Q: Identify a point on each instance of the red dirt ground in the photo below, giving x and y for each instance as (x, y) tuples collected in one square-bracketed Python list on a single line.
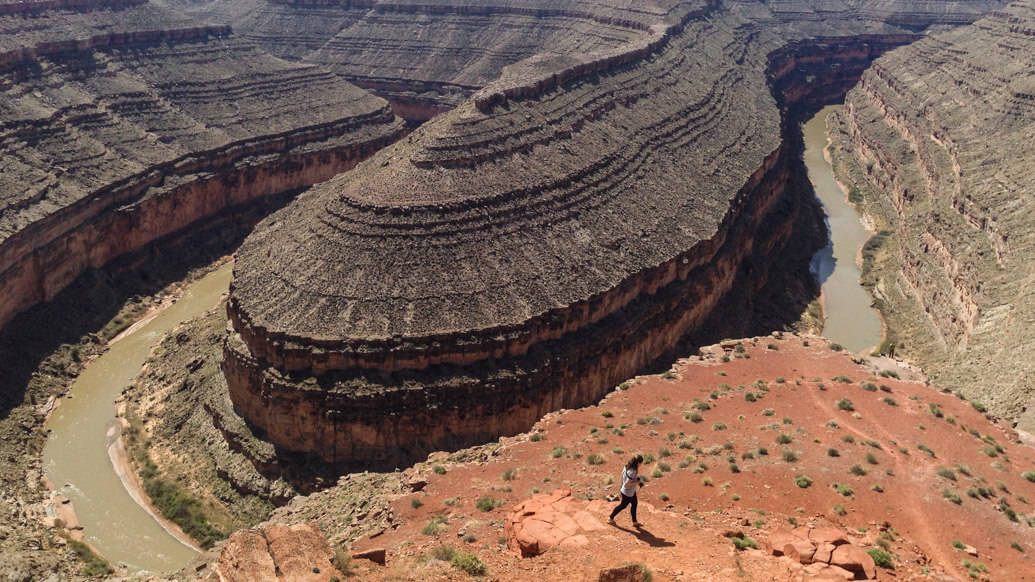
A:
[(793, 381)]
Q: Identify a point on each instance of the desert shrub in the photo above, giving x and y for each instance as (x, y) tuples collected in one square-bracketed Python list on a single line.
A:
[(857, 470), (871, 458), (848, 439), (439, 470), (742, 542), (833, 453), (836, 347), (802, 481), (790, 456), (595, 459), (844, 490), (719, 426), (509, 474), (946, 473), (469, 563), (487, 503), (958, 544), (443, 553), (416, 503), (656, 473), (868, 386), (559, 452), (784, 439), (768, 412), (890, 401), (845, 404), (979, 407), (434, 526), (839, 509), (1029, 475), (877, 489), (881, 558), (842, 379), (536, 437), (925, 449), (952, 496)]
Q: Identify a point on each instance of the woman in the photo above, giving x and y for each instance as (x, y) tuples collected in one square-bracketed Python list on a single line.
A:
[(630, 481)]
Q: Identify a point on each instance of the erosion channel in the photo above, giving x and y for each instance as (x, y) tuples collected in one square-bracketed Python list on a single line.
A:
[(849, 318), (76, 456)]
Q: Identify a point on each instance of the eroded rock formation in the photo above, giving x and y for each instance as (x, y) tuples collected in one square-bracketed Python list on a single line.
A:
[(939, 135), (122, 122), (542, 242)]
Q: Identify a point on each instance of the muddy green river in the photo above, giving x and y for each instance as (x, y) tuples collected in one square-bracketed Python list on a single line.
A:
[(850, 319), (76, 455)]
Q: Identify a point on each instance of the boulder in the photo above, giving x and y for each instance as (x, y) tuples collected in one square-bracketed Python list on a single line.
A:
[(827, 535), (547, 521), (375, 555), (627, 573), (277, 553), (854, 559), (823, 553), (800, 551)]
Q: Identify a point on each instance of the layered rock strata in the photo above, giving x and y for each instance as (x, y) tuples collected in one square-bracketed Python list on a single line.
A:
[(939, 136), (121, 123), (525, 252)]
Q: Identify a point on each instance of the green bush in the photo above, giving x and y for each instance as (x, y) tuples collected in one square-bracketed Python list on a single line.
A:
[(416, 503), (857, 470), (469, 563), (434, 526), (183, 509), (802, 481), (742, 542), (595, 459), (845, 404), (93, 565), (946, 473), (790, 456), (1029, 475), (952, 496), (559, 452), (487, 503), (784, 439), (439, 470), (881, 558)]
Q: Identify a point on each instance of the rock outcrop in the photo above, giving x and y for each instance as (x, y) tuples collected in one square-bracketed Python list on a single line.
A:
[(828, 548), (525, 252), (277, 553), (544, 521), (938, 138), (123, 122)]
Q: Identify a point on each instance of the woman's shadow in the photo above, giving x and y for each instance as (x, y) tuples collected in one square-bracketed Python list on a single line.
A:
[(643, 534)]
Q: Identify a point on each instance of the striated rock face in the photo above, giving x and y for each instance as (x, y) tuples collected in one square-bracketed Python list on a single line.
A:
[(528, 250), (424, 56), (939, 136), (277, 553), (123, 122)]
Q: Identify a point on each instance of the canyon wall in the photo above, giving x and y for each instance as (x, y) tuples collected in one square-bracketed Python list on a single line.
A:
[(543, 241), (938, 138), (123, 122)]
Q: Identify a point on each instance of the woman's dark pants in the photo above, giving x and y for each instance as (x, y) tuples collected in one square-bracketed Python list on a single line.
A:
[(626, 500)]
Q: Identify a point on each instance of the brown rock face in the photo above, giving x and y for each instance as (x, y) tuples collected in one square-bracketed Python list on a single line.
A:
[(125, 122), (277, 553)]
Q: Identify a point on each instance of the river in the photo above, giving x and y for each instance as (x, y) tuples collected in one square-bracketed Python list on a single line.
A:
[(76, 454), (850, 319)]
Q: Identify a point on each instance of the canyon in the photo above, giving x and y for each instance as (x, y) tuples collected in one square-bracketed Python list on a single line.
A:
[(936, 138), (552, 235), (126, 122), (517, 207)]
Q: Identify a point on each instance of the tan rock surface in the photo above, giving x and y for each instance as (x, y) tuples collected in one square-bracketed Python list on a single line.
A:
[(277, 553)]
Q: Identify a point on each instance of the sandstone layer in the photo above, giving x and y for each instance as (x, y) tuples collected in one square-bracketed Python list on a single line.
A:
[(545, 240), (938, 136), (123, 122)]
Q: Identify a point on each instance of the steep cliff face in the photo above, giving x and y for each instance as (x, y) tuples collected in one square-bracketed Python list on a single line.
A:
[(543, 241), (938, 135), (121, 123)]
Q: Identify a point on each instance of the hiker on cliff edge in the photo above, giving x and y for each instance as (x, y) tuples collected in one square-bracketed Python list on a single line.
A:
[(630, 481)]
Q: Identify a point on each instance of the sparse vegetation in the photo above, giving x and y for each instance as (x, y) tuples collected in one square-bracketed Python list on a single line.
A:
[(839, 509), (416, 503), (469, 563), (881, 558), (952, 496), (743, 542), (946, 473), (857, 470), (595, 459), (559, 452), (509, 474), (487, 503), (833, 453), (845, 404), (93, 565), (435, 526), (802, 481)]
